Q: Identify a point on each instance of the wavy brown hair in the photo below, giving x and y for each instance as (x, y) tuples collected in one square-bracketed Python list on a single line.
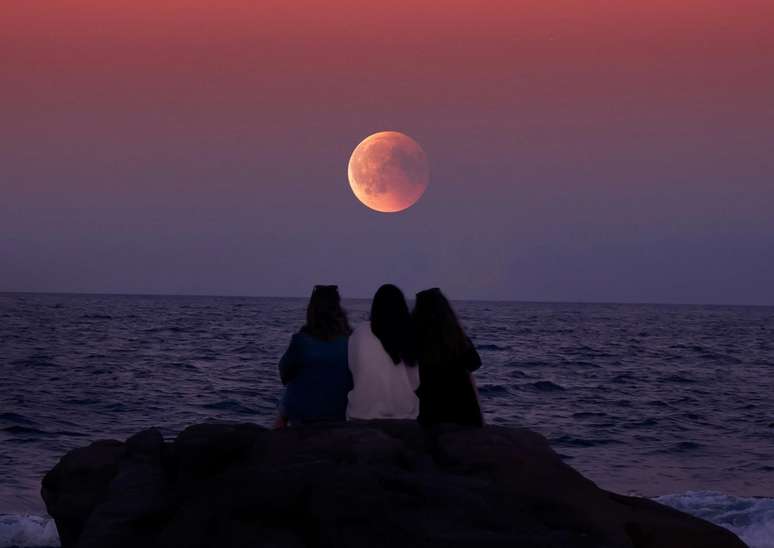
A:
[(325, 318)]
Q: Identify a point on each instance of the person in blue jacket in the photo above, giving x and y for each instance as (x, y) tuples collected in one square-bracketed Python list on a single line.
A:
[(314, 368)]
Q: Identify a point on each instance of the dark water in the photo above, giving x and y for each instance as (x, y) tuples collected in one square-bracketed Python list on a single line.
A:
[(673, 401)]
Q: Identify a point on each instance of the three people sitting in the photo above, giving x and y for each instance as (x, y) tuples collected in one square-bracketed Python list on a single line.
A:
[(397, 365)]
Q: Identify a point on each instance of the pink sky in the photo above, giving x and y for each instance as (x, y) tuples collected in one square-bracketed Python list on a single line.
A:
[(579, 150)]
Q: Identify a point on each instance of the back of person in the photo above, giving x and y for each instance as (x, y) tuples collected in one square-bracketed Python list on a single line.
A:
[(382, 362), (382, 389), (315, 367), (318, 378), (446, 358)]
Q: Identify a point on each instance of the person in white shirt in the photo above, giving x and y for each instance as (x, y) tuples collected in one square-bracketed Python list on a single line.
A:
[(382, 362)]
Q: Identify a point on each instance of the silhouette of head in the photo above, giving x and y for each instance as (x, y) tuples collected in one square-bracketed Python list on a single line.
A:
[(391, 324), (438, 334), (325, 318)]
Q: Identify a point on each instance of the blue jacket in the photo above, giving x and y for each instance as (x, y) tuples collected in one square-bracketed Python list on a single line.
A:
[(316, 373)]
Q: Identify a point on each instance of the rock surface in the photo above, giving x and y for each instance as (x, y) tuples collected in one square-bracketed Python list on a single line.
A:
[(372, 484)]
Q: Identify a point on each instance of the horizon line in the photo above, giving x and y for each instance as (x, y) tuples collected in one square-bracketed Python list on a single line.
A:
[(514, 301)]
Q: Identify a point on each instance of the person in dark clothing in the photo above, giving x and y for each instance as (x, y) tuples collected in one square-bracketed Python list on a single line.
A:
[(446, 358), (314, 368)]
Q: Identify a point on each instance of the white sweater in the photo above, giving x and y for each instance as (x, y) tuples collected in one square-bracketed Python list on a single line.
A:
[(382, 389)]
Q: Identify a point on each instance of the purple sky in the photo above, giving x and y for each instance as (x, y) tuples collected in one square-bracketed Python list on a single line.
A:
[(582, 151)]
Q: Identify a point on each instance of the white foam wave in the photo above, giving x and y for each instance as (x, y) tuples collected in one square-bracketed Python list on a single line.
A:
[(27, 531), (751, 518)]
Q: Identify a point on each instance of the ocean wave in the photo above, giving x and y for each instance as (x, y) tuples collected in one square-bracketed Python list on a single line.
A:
[(528, 363), (587, 414), (16, 418), (491, 348), (751, 518), (643, 423), (493, 389), (682, 447), (677, 378), (546, 386), (582, 363), (229, 405), (27, 531), (80, 382), (624, 378), (21, 430), (34, 361), (573, 441)]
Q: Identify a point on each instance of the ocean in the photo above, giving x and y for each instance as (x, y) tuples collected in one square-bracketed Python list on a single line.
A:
[(670, 402)]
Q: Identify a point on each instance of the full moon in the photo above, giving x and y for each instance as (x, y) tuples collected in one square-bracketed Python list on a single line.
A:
[(388, 171)]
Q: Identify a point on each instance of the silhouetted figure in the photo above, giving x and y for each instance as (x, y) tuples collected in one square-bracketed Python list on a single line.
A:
[(314, 367), (382, 361), (446, 358)]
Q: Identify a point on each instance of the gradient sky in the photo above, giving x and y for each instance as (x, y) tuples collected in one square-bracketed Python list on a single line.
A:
[(580, 150)]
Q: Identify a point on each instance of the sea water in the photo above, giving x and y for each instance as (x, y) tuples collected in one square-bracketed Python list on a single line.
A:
[(669, 402)]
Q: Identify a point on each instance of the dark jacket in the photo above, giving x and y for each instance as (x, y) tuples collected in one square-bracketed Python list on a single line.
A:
[(446, 391), (316, 373)]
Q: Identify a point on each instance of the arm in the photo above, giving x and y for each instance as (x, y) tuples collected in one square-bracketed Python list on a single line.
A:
[(472, 359), (290, 363), (353, 354), (472, 362), (478, 398)]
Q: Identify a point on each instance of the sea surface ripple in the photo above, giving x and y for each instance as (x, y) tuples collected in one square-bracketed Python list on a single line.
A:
[(656, 400)]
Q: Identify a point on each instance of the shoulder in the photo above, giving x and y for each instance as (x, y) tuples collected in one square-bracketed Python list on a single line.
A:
[(362, 331), (472, 358), (302, 340), (299, 337), (306, 340), (363, 342)]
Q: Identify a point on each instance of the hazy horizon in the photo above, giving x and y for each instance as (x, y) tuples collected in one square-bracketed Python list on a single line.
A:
[(409, 297)]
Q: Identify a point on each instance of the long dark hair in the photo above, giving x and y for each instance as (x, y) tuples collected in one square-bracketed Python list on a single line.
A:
[(325, 318), (391, 324), (438, 334)]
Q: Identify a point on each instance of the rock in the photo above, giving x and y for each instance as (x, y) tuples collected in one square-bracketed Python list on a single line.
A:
[(375, 484), (78, 483)]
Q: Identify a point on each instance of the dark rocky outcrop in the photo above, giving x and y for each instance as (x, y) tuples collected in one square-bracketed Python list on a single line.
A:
[(374, 484)]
